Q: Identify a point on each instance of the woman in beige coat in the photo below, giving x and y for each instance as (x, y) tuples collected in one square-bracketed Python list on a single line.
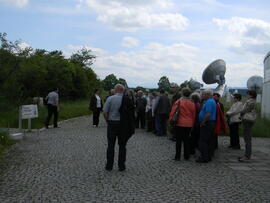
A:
[(248, 119), (234, 120)]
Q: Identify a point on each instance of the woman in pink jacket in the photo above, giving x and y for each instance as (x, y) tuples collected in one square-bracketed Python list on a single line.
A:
[(184, 123)]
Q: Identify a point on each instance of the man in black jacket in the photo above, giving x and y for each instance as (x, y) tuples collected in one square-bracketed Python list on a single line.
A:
[(162, 110), (119, 114)]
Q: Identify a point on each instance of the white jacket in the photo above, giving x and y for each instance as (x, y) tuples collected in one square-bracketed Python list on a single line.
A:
[(234, 112)]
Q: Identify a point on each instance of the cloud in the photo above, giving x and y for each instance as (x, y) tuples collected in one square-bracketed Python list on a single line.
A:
[(246, 34), (178, 61), (24, 45), (131, 16), (71, 49), (16, 3), (146, 66), (129, 42)]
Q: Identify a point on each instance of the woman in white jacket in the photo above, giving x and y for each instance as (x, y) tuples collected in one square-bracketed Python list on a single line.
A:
[(234, 120)]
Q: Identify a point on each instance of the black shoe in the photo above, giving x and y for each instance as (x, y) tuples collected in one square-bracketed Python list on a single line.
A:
[(176, 159), (108, 168), (236, 147), (47, 127), (230, 146), (201, 161)]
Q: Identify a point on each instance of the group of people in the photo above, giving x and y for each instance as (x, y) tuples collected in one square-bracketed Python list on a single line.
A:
[(194, 119)]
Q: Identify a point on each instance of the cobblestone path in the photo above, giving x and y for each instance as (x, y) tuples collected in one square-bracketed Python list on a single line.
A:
[(67, 165)]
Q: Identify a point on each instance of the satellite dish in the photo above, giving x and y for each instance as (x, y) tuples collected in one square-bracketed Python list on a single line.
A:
[(194, 84), (214, 73), (255, 83)]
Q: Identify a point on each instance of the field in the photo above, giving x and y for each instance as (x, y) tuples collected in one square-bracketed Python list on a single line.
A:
[(68, 109)]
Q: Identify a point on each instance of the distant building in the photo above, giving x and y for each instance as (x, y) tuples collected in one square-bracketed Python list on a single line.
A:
[(239, 90)]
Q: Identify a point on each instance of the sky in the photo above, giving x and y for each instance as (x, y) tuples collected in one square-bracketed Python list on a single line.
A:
[(143, 40)]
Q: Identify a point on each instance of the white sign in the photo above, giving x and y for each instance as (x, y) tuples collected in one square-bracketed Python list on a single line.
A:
[(29, 111)]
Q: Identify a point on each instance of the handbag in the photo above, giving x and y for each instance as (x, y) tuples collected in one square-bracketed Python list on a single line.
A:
[(250, 116), (175, 116)]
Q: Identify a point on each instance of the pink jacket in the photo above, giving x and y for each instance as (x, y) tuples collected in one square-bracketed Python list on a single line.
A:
[(187, 112)]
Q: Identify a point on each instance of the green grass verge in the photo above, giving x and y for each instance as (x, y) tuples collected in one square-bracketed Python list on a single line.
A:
[(70, 109), (5, 142)]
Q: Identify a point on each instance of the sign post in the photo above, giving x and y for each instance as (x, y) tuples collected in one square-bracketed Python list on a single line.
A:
[(27, 112)]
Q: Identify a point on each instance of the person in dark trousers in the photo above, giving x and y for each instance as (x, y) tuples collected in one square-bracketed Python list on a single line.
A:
[(185, 121), (141, 103), (53, 107), (195, 133), (96, 106), (234, 120), (119, 113), (162, 110), (176, 95), (207, 118)]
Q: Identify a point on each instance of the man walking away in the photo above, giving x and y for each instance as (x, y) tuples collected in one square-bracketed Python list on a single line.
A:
[(112, 110), (53, 107)]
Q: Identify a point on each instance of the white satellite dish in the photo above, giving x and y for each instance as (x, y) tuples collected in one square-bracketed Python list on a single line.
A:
[(215, 73), (255, 83)]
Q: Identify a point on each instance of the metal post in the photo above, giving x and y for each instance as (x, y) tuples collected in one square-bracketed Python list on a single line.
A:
[(29, 124), (20, 118)]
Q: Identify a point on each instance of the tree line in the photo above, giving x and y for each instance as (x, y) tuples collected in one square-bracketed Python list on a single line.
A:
[(26, 72)]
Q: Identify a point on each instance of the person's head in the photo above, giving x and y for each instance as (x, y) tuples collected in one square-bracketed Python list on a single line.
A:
[(112, 92), (216, 96), (186, 92), (97, 91), (162, 91), (206, 94), (140, 93), (237, 97), (195, 97), (119, 88), (252, 94), (55, 89), (174, 87)]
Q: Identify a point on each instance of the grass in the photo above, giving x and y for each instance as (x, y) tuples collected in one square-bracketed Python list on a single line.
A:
[(5, 142), (68, 109)]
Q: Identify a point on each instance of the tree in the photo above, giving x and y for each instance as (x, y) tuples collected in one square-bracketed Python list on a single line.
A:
[(123, 82), (164, 83), (109, 82), (184, 84), (83, 57)]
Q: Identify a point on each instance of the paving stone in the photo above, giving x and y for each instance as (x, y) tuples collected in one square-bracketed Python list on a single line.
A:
[(67, 165)]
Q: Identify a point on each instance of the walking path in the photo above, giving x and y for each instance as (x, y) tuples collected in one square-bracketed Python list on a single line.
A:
[(67, 165)]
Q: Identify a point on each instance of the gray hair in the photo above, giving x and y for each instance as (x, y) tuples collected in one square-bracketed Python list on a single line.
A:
[(208, 92), (119, 88)]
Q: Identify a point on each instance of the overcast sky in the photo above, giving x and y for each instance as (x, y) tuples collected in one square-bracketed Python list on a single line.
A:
[(142, 40)]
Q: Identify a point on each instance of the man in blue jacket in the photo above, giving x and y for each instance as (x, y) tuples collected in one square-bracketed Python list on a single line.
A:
[(207, 118)]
